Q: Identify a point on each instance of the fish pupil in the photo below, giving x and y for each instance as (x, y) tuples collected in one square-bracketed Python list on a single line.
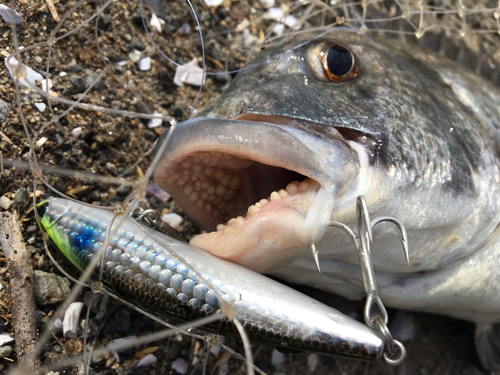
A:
[(339, 60)]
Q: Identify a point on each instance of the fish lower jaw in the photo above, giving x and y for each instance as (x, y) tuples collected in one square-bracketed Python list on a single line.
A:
[(270, 226)]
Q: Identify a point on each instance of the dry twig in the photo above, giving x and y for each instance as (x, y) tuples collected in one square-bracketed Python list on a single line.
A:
[(53, 10), (21, 280)]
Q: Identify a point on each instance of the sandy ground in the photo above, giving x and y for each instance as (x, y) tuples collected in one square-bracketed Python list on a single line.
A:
[(111, 145)]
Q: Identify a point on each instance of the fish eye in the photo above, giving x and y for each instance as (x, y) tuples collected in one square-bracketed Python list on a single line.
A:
[(339, 64)]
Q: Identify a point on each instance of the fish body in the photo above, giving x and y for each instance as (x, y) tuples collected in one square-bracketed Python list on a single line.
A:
[(302, 132), (178, 282)]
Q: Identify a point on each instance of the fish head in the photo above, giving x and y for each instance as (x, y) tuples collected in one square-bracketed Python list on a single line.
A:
[(307, 127)]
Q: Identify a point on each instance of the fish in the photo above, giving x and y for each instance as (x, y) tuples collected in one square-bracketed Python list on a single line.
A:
[(317, 120), (177, 282)]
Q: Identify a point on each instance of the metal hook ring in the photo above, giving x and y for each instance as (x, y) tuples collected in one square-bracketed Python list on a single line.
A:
[(398, 356), (395, 352)]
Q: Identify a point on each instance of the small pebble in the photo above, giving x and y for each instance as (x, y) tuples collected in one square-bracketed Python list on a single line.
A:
[(135, 55), (20, 196), (5, 351), (4, 110), (91, 77), (49, 288), (5, 202), (104, 22), (158, 193), (138, 46), (147, 360)]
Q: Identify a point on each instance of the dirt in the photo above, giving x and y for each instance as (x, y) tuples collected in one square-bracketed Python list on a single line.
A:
[(119, 145)]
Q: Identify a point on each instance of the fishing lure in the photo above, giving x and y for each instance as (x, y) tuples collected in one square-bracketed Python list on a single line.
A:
[(173, 280)]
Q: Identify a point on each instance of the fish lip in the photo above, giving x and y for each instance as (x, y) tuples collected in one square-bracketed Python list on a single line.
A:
[(272, 145)]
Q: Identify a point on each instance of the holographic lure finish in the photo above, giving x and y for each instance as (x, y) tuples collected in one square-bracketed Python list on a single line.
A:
[(173, 280)]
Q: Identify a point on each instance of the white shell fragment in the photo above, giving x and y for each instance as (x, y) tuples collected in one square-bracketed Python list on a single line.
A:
[(147, 360), (180, 365), (76, 132), (29, 76), (155, 122), (277, 359), (71, 319), (46, 84), (189, 73), (213, 3), (5, 339), (10, 16), (41, 141), (155, 23), (144, 64), (267, 3), (277, 15), (312, 362), (40, 106), (278, 29), (172, 219)]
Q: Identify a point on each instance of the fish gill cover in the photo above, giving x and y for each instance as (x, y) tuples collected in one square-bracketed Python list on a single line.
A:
[(96, 90)]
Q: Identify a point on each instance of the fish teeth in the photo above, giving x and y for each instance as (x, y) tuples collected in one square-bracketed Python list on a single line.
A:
[(220, 190), (292, 188), (304, 185), (228, 230), (188, 189), (283, 193), (252, 209), (193, 196), (274, 196)]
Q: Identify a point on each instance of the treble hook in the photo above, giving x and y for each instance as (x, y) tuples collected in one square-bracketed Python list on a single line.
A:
[(375, 319)]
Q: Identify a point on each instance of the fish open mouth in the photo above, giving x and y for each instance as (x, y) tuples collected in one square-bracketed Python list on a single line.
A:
[(257, 186)]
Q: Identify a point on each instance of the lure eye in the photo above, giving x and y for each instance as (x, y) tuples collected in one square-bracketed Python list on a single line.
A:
[(339, 64)]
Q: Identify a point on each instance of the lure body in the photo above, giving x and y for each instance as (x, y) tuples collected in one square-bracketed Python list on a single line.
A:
[(173, 280)]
